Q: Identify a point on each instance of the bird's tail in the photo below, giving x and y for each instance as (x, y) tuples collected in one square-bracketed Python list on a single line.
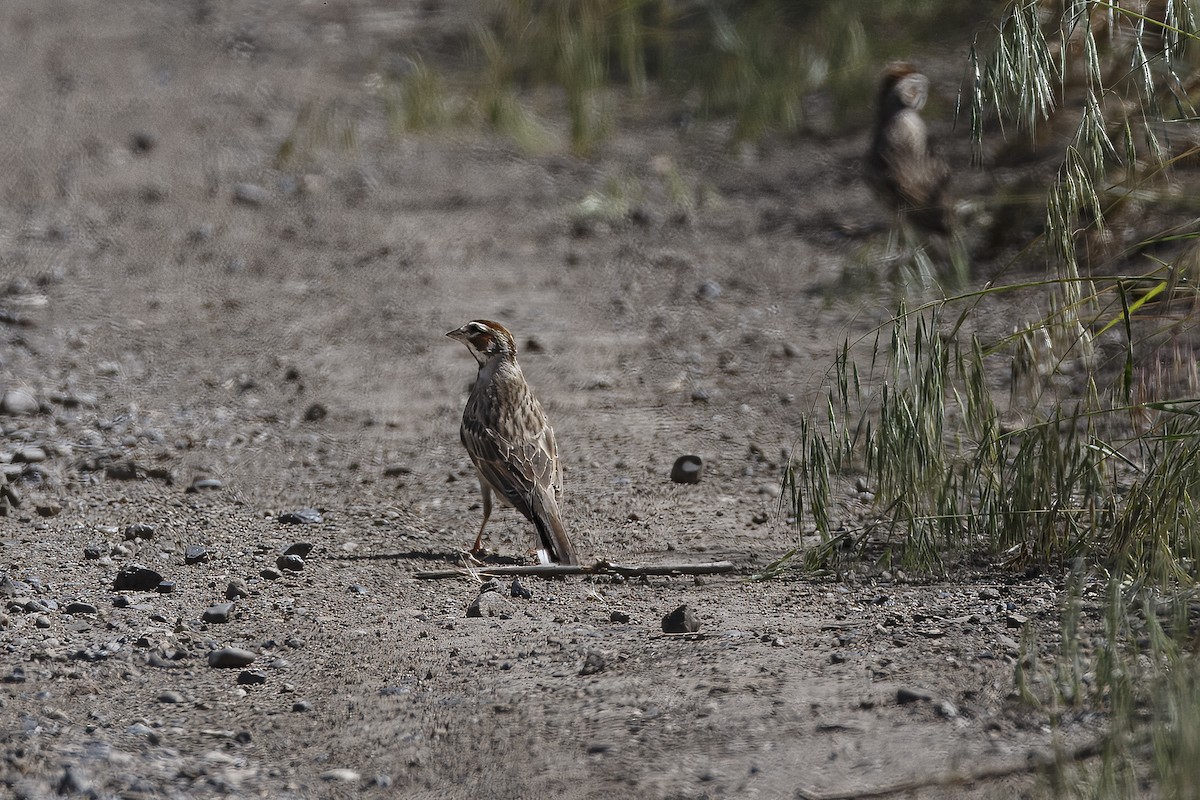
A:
[(552, 535)]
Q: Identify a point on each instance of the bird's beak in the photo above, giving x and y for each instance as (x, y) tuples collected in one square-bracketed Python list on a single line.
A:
[(458, 335)]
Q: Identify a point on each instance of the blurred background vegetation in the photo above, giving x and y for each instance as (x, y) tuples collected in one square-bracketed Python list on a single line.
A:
[(758, 64)]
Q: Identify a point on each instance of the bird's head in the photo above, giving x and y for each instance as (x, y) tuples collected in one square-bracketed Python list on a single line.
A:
[(485, 339), (901, 85)]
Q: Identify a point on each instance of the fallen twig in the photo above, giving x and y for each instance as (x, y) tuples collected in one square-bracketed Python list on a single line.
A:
[(598, 568)]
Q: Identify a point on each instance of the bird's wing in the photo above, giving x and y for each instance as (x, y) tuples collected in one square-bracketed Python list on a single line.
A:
[(516, 470)]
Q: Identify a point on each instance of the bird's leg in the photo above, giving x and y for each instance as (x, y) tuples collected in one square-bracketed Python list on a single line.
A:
[(486, 491)]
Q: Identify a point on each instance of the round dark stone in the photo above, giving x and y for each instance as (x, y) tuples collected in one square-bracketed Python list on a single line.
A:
[(687, 469)]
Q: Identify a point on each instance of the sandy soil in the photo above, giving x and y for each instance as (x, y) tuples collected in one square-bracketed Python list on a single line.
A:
[(181, 309)]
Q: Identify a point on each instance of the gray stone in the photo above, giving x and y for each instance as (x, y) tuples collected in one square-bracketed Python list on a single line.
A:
[(303, 516), (140, 530), (249, 194), (195, 554), (218, 613), (18, 403), (236, 589), (490, 604), (593, 662), (170, 696), (230, 658)]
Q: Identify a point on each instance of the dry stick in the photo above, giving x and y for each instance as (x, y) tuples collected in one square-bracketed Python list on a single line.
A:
[(955, 778), (599, 568)]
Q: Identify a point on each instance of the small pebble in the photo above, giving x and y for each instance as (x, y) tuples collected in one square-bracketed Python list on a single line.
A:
[(170, 696), (195, 554), (140, 530), (301, 549), (80, 607), (301, 706), (249, 194), (18, 403), (249, 677), (518, 589), (687, 469), (906, 695), (230, 657), (218, 613), (592, 663), (681, 620), (236, 589), (291, 563), (305, 516), (203, 485), (340, 775), (271, 574), (137, 578)]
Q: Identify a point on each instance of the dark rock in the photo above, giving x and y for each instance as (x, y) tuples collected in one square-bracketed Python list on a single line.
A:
[(249, 677), (701, 395), (165, 587), (292, 563), (906, 695), (358, 589), (140, 144), (315, 413), (681, 620), (195, 554), (140, 530), (687, 469), (170, 696), (17, 675), (80, 607), (304, 516), (708, 290), (301, 706), (593, 662), (517, 589), (236, 589), (619, 617), (1015, 620), (121, 471), (271, 574), (93, 552), (48, 508), (230, 658), (301, 549), (137, 578), (218, 613), (203, 485), (395, 470)]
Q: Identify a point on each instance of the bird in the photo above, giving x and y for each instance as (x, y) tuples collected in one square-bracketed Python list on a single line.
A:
[(901, 166), (510, 441)]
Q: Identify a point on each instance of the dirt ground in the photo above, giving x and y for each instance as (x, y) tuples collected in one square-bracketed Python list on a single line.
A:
[(183, 310)]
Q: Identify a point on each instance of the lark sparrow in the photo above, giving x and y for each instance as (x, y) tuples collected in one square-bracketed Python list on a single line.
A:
[(510, 440), (901, 166)]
